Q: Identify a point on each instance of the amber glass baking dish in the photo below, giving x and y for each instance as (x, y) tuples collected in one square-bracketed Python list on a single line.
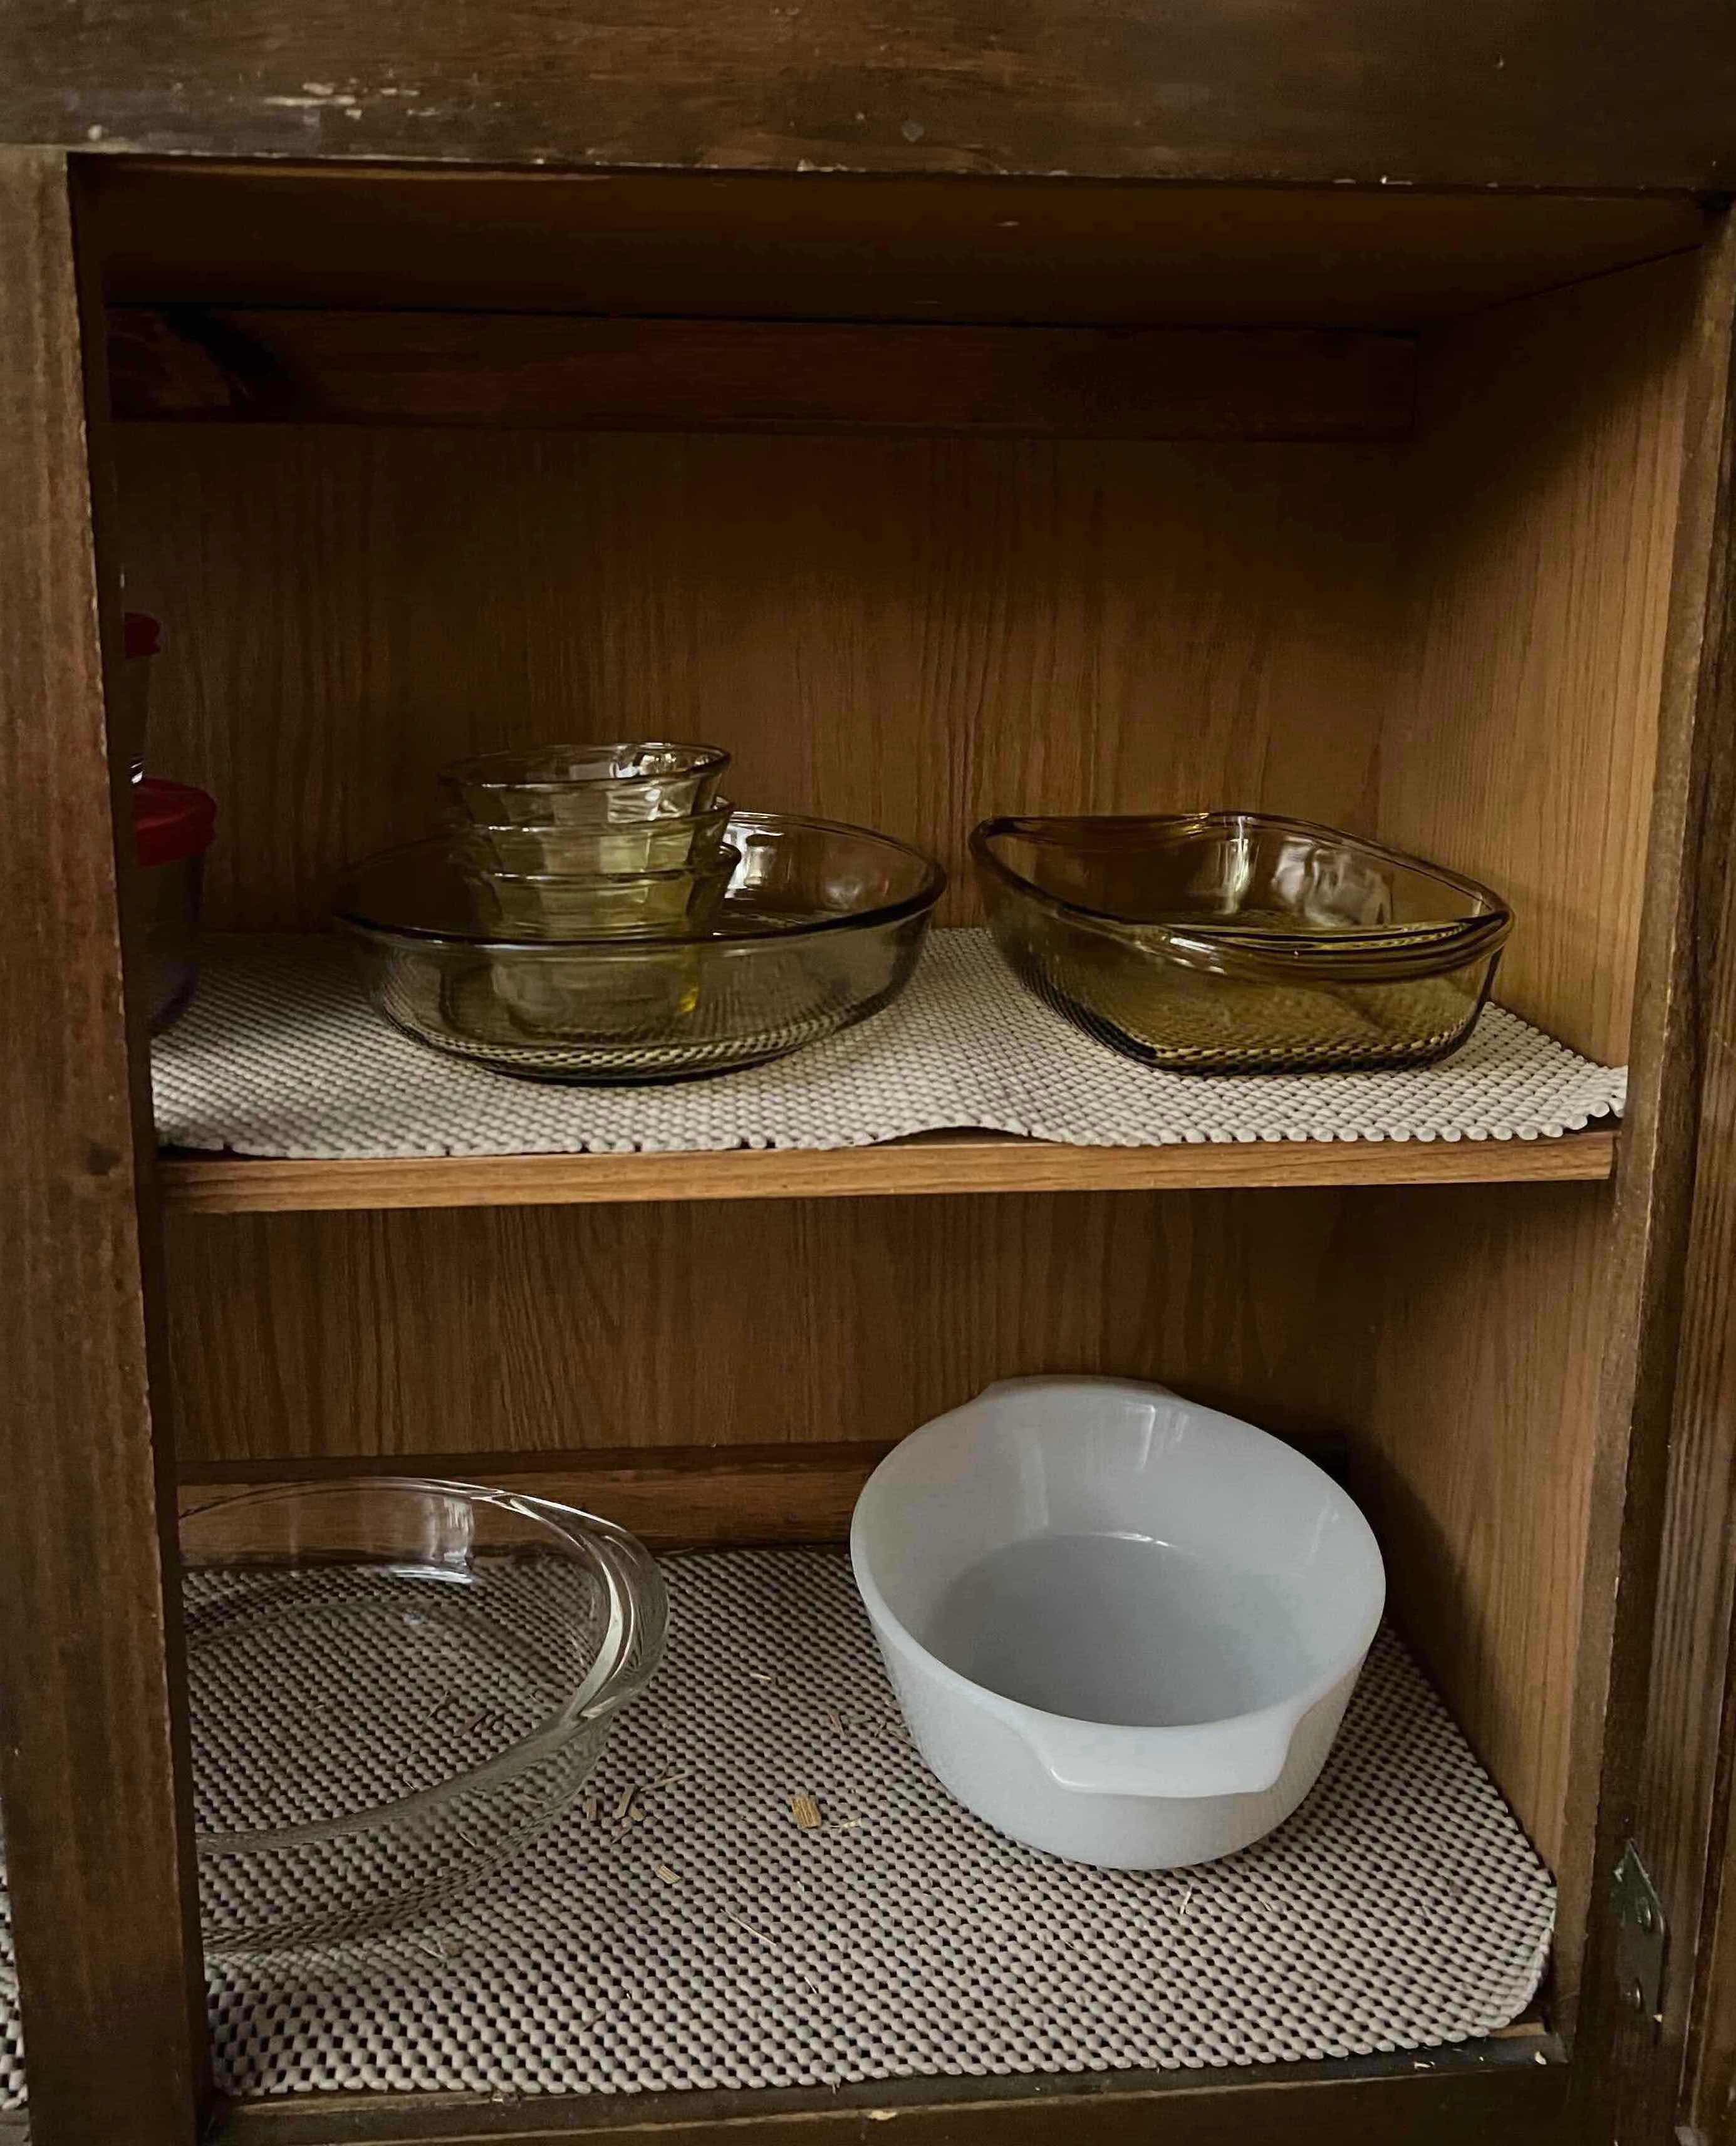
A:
[(1238, 942)]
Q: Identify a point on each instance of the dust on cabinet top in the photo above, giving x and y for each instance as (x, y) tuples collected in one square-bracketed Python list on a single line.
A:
[(1569, 93)]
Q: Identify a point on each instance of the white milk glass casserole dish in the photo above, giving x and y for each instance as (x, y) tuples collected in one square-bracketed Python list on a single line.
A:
[(1122, 1627)]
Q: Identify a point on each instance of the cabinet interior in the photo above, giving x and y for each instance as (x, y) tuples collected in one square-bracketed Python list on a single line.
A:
[(1396, 555)]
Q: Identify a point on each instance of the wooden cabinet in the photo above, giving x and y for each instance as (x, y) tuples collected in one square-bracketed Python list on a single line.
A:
[(932, 496)]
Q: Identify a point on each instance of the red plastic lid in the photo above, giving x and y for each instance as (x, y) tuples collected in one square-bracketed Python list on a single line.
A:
[(140, 633), (170, 820)]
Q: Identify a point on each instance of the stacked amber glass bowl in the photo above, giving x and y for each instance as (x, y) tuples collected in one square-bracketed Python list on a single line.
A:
[(590, 841), (598, 913)]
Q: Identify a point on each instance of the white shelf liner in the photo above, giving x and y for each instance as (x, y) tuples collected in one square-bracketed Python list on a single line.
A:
[(717, 1944), (280, 1055)]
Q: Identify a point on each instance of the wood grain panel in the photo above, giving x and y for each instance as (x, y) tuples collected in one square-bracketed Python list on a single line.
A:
[(1541, 519), (548, 1330), (1473, 1392), (1542, 507), (1711, 2099), (202, 364), (910, 633), (928, 1163), (1507, 2091), (1667, 1763), (672, 1498), (1687, 1815), (1375, 91), (1550, 1330), (828, 246), (98, 1853)]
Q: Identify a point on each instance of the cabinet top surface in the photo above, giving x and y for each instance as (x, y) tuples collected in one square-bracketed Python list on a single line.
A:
[(1566, 93)]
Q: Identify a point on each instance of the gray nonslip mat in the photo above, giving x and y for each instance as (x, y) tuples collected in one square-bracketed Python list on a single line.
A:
[(280, 1055), (716, 1942)]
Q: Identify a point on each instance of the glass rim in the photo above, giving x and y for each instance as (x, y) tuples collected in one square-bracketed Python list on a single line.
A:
[(723, 863), (486, 770), (603, 831), (931, 887), (1490, 922), (636, 1598)]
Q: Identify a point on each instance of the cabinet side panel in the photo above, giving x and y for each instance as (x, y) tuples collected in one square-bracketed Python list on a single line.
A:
[(98, 1861), (1548, 746), (1541, 504), (1541, 508), (1668, 1415), (1482, 1314)]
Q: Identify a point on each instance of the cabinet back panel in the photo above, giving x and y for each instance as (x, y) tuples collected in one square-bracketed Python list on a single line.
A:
[(555, 1329), (913, 633), (556, 372)]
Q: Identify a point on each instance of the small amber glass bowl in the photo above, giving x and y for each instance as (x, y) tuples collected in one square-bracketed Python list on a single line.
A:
[(1240, 942), (604, 905), (634, 846), (585, 786)]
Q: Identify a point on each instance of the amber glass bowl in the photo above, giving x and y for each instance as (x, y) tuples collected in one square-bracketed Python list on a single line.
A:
[(1240, 942), (561, 906), (585, 786), (670, 843), (820, 926)]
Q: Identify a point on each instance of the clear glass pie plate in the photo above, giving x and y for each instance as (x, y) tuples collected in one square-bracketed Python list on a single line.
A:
[(395, 1684), (820, 926)]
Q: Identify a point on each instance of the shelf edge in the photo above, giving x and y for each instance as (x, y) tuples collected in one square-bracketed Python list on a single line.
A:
[(1504, 2091), (932, 1163)]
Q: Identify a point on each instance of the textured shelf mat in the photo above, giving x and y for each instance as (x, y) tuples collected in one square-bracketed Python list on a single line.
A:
[(279, 1055), (716, 1943)]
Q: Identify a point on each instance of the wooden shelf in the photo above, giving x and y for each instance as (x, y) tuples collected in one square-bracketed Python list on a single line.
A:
[(1507, 2090), (940, 1163)]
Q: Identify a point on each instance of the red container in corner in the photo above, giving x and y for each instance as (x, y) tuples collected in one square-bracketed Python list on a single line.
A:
[(172, 826)]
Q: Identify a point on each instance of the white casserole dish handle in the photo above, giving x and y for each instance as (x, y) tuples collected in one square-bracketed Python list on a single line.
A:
[(1240, 1757)]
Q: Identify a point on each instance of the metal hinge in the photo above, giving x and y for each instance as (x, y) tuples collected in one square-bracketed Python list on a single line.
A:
[(1640, 1938)]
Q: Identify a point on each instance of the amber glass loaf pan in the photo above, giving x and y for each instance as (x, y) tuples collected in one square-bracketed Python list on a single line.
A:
[(1237, 943)]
